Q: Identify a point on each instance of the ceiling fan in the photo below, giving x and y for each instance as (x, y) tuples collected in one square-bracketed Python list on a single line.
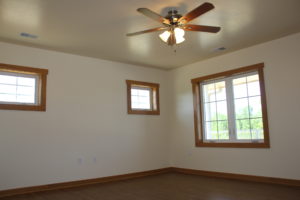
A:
[(175, 24)]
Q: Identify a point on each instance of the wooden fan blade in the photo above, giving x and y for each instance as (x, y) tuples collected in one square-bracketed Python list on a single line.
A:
[(147, 31), (153, 15), (200, 10), (210, 29)]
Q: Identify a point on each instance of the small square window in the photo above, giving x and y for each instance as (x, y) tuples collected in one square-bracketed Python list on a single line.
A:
[(142, 98), (22, 88)]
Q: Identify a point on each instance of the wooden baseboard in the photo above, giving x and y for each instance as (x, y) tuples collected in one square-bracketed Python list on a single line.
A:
[(241, 177), (71, 184)]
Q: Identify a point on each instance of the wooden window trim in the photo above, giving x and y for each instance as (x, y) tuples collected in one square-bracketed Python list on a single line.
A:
[(154, 98), (199, 141), (41, 73)]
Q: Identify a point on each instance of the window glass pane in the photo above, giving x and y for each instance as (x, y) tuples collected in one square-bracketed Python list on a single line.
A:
[(220, 91), (134, 99), (255, 107), (253, 85), (8, 89), (222, 110), (8, 79), (257, 128), (211, 130), (243, 129), (144, 100), (11, 91), (240, 87), (144, 106), (241, 108), (223, 130), (144, 93), (134, 104), (209, 92), (8, 98), (140, 98), (134, 92), (139, 105), (24, 90), (210, 112), (26, 81), (25, 99)]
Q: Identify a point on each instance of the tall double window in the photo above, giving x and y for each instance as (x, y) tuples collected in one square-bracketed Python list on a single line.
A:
[(230, 109)]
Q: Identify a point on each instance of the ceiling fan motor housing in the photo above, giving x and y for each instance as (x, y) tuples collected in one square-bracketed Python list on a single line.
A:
[(173, 17)]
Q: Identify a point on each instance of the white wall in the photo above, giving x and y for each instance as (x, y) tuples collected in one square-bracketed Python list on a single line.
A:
[(282, 71), (86, 120)]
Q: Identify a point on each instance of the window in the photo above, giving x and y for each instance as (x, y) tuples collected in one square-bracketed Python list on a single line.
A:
[(230, 109), (22, 88), (142, 98)]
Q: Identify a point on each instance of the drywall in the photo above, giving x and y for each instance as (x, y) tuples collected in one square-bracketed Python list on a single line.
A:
[(86, 131), (282, 70)]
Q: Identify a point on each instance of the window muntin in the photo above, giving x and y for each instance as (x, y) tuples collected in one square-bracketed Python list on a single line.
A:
[(142, 98), (22, 88), (230, 109)]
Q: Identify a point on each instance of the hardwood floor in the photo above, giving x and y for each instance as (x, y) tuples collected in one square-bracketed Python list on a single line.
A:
[(170, 186)]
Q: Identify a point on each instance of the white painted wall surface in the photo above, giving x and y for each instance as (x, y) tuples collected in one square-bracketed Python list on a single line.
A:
[(282, 80), (86, 131)]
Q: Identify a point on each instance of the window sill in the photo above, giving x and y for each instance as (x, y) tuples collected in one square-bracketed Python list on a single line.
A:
[(144, 112), (23, 107), (230, 145)]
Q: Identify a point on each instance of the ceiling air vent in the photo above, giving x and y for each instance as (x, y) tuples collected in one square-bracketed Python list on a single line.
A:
[(28, 35)]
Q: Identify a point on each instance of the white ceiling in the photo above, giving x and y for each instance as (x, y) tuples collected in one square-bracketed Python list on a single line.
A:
[(97, 28)]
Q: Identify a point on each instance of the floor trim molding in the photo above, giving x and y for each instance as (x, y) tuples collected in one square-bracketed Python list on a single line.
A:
[(71, 184), (241, 177)]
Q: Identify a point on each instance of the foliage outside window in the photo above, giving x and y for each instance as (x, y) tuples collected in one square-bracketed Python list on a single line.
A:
[(230, 109), (22, 88), (142, 98)]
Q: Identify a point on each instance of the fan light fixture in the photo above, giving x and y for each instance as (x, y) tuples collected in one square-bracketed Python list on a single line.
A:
[(174, 24), (178, 32)]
